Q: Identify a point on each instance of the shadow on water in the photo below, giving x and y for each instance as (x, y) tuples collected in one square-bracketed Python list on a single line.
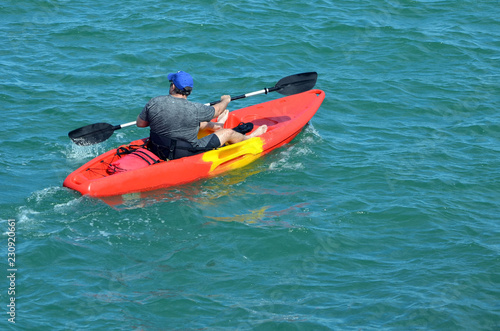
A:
[(209, 192), (204, 192)]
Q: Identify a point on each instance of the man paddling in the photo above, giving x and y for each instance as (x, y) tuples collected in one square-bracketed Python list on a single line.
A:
[(174, 122)]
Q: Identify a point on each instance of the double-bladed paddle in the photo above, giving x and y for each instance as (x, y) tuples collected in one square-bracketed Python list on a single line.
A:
[(95, 133), (99, 132), (287, 86)]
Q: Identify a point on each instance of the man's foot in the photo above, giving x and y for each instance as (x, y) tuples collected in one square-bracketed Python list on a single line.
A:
[(260, 130)]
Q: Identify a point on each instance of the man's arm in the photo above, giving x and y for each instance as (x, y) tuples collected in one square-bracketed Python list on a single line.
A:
[(141, 123)]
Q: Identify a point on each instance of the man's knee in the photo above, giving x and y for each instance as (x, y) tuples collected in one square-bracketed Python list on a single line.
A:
[(223, 135), (227, 136)]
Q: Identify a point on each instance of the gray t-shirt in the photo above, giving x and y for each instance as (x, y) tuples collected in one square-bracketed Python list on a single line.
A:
[(176, 118)]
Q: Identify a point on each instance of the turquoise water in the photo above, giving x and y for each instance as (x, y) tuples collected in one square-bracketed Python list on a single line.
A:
[(381, 215)]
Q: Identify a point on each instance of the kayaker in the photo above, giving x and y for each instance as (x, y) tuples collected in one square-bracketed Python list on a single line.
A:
[(174, 122)]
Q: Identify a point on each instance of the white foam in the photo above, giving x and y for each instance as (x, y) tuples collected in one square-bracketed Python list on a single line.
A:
[(81, 152), (38, 196), (68, 206), (298, 151), (26, 215), (287, 155)]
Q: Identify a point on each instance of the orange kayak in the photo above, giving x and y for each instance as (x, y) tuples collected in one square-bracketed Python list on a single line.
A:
[(285, 118)]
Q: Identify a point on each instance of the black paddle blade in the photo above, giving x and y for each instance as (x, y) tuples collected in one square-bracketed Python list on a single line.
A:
[(296, 83), (92, 134)]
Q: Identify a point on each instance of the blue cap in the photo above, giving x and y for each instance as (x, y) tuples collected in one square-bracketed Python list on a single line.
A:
[(181, 79)]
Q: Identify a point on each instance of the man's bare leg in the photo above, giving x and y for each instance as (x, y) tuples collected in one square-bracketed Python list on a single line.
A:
[(233, 137), (214, 126), (223, 117)]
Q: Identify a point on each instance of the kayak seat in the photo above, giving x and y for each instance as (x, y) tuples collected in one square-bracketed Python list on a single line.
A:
[(269, 121)]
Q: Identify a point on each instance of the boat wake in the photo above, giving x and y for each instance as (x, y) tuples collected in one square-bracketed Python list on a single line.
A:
[(290, 157), (79, 153), (53, 203)]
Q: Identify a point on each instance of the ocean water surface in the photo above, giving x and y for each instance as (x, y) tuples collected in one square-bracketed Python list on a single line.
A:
[(381, 215)]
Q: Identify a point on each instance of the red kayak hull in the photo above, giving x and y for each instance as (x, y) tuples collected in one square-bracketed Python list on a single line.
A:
[(285, 118)]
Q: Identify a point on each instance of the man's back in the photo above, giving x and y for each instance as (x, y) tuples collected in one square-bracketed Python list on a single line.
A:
[(176, 118)]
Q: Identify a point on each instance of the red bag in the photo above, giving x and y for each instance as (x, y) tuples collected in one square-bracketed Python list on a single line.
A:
[(138, 159)]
